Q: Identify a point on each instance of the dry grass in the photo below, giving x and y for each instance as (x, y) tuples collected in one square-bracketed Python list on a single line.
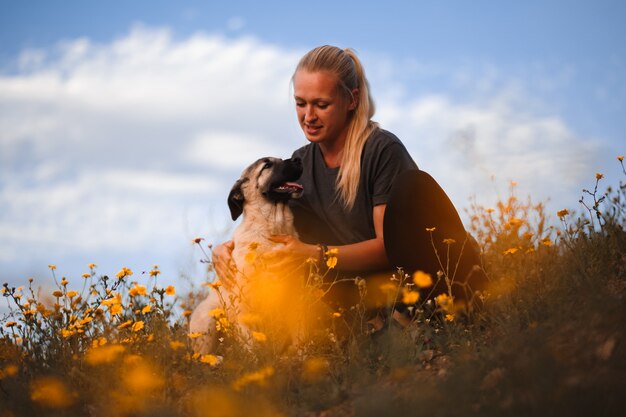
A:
[(550, 339)]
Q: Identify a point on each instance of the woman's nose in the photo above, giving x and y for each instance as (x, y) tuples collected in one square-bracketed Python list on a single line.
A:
[(309, 115)]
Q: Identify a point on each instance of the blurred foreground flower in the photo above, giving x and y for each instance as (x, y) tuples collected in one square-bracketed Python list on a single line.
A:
[(258, 377), (103, 354), (422, 279), (51, 393)]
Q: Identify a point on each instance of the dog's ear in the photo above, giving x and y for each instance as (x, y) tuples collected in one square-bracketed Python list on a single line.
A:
[(235, 199)]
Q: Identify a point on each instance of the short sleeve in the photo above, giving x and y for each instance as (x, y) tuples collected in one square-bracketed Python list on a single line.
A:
[(391, 160)]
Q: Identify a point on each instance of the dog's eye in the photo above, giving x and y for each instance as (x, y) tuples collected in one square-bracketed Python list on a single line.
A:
[(267, 165)]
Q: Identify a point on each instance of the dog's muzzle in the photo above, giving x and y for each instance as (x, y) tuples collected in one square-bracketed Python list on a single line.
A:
[(283, 185)]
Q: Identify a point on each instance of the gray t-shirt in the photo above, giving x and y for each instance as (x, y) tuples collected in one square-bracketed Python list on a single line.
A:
[(319, 215)]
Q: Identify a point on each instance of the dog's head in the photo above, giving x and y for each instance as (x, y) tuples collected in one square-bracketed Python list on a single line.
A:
[(269, 179)]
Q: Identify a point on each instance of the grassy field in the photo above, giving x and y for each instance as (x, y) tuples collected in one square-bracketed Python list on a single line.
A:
[(550, 339)]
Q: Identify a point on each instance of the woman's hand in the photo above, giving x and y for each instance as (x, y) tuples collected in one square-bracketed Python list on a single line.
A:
[(222, 258), (293, 254)]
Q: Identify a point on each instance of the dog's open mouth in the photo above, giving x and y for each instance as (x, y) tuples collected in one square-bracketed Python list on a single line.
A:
[(292, 188)]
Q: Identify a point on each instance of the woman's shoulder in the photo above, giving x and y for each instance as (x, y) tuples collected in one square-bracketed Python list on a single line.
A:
[(383, 146), (381, 138)]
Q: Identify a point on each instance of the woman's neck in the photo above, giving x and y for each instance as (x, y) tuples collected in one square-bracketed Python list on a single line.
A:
[(332, 154), (332, 151)]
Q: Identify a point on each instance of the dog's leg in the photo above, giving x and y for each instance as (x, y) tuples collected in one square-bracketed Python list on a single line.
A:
[(204, 324)]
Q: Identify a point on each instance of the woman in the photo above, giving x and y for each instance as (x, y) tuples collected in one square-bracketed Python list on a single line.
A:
[(350, 168)]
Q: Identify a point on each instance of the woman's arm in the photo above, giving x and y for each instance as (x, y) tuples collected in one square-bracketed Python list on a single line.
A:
[(368, 255)]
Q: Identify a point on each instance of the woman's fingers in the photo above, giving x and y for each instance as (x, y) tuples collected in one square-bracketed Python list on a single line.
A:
[(223, 263)]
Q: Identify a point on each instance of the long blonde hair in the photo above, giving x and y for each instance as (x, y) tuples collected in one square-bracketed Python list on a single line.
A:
[(346, 66)]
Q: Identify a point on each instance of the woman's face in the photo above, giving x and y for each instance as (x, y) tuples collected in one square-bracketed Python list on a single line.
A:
[(322, 107)]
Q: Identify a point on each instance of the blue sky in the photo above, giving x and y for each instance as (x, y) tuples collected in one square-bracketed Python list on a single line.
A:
[(124, 124)]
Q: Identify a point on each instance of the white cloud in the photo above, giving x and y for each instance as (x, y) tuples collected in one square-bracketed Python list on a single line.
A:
[(465, 145), (228, 149), (134, 144)]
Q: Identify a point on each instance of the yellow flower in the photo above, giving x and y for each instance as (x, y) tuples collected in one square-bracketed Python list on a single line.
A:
[(124, 272), (449, 241), (217, 312), (9, 370), (116, 299), (490, 210), (410, 297), (10, 324), (599, 176), (72, 294), (331, 262), (422, 279), (125, 324), (444, 301), (86, 275), (52, 267), (215, 285), (175, 344), (146, 309), (259, 337), (187, 313), (332, 252), (57, 294), (67, 333), (154, 272), (84, 321), (449, 317), (430, 229), (137, 290), (51, 393), (336, 314), (92, 266), (562, 213), (64, 282), (137, 326), (170, 290), (100, 354), (210, 359), (258, 377), (510, 251), (620, 158), (101, 341), (546, 241), (195, 335)]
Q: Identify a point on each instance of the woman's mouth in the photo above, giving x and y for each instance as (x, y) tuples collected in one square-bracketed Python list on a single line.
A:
[(312, 129)]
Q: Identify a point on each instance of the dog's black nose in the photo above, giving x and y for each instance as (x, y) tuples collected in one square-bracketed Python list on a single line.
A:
[(293, 168)]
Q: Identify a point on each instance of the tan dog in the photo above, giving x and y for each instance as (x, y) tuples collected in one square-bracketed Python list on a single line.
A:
[(261, 195)]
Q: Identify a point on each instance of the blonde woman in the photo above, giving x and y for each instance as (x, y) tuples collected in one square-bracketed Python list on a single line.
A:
[(350, 167)]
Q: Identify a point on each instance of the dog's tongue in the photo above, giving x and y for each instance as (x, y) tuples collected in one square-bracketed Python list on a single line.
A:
[(293, 185)]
